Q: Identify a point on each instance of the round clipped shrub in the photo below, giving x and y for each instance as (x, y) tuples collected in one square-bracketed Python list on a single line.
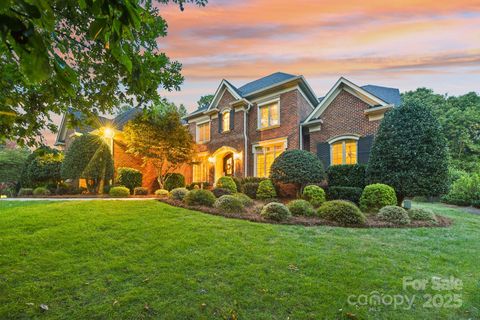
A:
[(266, 190), (376, 196), (174, 180), (178, 193), (244, 199), (25, 192), (344, 212), (140, 191), (275, 211), (421, 214), (129, 177), (218, 192), (227, 183), (301, 208), (250, 189), (162, 193), (394, 214), (314, 194), (41, 191), (119, 192), (200, 197), (229, 203)]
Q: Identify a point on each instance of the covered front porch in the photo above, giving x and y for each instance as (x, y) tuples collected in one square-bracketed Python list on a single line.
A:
[(225, 161)]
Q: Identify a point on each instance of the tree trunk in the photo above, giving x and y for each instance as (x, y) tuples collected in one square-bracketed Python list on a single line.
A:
[(160, 181), (400, 199)]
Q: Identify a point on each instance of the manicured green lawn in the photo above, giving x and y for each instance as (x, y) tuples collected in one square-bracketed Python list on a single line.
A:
[(145, 259)]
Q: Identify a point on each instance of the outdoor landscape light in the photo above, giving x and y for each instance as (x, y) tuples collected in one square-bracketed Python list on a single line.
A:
[(211, 159), (237, 156)]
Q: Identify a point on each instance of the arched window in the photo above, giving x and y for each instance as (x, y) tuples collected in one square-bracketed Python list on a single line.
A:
[(343, 152)]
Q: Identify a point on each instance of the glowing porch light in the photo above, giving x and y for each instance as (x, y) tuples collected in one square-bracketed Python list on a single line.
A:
[(211, 159), (108, 133), (237, 156)]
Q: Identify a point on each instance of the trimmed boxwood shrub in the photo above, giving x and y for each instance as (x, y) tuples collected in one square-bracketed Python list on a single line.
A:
[(301, 207), (250, 189), (41, 191), (119, 192), (227, 183), (199, 185), (25, 192), (476, 203), (347, 175), (464, 190), (238, 184), (376, 196), (229, 203), (140, 191), (129, 177), (314, 194), (394, 214), (421, 214), (266, 190), (162, 193), (344, 193), (179, 193), (200, 197), (174, 180), (275, 211), (341, 211), (218, 192), (244, 199)]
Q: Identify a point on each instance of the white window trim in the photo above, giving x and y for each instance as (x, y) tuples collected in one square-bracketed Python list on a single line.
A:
[(259, 118), (343, 139), (266, 143), (229, 119), (197, 131)]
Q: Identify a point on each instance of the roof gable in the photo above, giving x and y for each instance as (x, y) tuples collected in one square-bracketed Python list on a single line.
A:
[(390, 95), (360, 92), (264, 82)]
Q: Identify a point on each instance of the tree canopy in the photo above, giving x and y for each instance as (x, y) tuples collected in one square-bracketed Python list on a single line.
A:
[(460, 121), (205, 100), (88, 157), (409, 153), (12, 161), (157, 135), (85, 54)]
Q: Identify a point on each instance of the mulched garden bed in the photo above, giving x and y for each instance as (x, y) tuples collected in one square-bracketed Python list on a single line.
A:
[(253, 214)]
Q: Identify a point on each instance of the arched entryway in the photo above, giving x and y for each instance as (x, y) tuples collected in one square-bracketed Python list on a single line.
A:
[(225, 161)]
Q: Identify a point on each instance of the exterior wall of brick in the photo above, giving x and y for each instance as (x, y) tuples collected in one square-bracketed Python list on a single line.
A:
[(345, 115)]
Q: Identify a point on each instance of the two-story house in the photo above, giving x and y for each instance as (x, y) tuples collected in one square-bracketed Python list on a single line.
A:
[(244, 129)]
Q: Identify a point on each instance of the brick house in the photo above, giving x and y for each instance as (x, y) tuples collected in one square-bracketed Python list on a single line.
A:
[(244, 129)]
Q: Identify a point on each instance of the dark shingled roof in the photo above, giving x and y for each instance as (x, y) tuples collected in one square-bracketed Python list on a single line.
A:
[(264, 82), (122, 119), (389, 95)]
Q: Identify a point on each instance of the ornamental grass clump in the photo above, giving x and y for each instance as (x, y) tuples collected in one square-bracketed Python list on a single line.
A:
[(344, 212), (301, 207), (314, 194), (229, 203), (394, 214), (275, 211)]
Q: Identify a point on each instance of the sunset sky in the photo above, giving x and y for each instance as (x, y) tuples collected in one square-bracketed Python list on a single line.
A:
[(404, 44)]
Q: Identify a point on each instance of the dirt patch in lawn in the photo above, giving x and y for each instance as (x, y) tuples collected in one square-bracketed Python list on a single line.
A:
[(253, 214)]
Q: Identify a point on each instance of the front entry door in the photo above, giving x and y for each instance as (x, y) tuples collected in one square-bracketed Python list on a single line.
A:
[(228, 165)]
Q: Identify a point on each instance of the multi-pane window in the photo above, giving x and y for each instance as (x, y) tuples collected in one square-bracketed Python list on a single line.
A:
[(225, 121), (264, 156), (200, 171), (269, 115), (344, 152), (203, 132)]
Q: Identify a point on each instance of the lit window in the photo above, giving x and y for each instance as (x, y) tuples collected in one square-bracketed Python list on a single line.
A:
[(344, 152), (264, 157), (269, 115), (200, 171), (226, 121), (203, 132)]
